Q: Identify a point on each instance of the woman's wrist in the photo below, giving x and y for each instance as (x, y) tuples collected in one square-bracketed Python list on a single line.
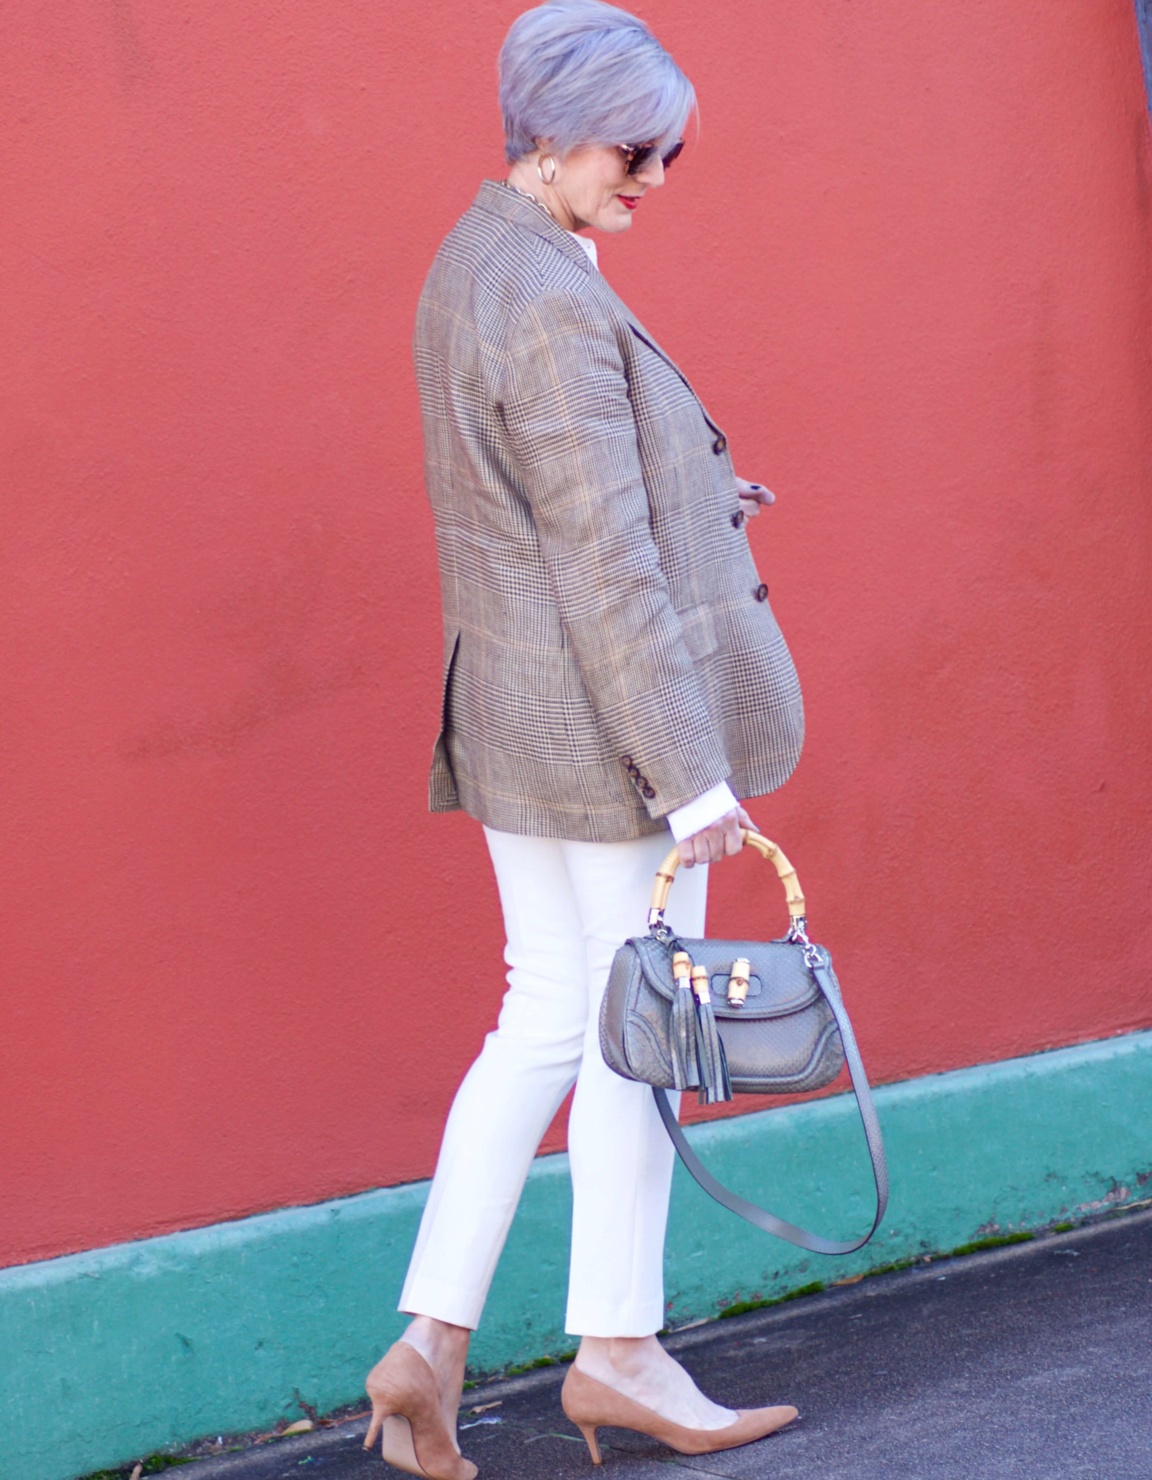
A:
[(701, 812)]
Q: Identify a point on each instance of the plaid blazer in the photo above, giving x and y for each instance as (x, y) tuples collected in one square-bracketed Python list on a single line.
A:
[(609, 652)]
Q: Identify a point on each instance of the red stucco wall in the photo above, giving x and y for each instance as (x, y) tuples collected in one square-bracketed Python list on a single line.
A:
[(906, 263)]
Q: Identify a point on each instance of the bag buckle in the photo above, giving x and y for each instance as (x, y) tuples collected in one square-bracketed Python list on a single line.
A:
[(739, 981)]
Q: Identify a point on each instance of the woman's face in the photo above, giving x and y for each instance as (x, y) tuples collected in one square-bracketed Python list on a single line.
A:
[(593, 187)]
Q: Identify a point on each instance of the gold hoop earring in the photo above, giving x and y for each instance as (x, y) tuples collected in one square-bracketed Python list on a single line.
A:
[(549, 179)]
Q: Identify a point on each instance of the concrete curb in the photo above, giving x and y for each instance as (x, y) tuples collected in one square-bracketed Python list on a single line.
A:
[(150, 1345)]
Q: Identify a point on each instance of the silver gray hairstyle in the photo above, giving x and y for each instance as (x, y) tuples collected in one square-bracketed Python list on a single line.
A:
[(582, 72)]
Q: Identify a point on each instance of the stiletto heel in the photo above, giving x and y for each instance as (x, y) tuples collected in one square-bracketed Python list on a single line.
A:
[(406, 1415), (592, 1405), (589, 1432), (378, 1417)]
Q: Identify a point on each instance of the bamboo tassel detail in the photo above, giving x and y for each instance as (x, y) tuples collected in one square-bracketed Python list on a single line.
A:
[(683, 1031), (715, 1084)]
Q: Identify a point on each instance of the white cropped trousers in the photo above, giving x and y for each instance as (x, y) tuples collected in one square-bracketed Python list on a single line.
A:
[(567, 907)]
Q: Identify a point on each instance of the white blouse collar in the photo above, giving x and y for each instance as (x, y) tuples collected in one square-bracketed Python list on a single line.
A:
[(589, 246)]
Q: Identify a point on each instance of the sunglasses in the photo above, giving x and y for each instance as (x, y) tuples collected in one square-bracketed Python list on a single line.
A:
[(639, 156)]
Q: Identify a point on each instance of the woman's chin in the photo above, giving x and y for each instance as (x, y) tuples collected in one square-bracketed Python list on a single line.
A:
[(615, 218)]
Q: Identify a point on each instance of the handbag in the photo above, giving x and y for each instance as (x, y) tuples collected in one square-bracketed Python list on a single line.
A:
[(735, 1017)]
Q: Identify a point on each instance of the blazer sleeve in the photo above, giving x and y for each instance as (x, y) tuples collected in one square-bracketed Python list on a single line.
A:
[(571, 427)]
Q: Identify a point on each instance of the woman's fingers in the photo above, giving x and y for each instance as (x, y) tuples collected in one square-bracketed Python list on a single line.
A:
[(713, 843), (755, 491)]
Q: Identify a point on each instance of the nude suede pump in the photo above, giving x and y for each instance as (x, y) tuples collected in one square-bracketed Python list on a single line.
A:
[(406, 1413), (591, 1405)]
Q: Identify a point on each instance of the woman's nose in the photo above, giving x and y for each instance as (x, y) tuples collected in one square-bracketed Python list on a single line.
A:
[(652, 174)]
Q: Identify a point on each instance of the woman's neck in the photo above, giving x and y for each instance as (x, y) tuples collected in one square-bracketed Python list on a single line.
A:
[(523, 176)]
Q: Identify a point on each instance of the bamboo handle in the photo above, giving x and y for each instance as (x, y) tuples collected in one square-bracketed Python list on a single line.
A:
[(787, 874)]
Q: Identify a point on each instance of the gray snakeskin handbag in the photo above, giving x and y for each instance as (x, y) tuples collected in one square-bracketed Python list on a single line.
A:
[(735, 1017)]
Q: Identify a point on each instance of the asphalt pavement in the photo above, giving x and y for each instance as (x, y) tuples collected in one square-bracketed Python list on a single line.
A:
[(1031, 1362)]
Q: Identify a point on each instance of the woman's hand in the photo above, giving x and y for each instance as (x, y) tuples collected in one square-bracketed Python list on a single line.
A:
[(753, 496), (713, 843)]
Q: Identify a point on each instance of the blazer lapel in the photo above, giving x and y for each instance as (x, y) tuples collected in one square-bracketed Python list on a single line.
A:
[(502, 201), (642, 334)]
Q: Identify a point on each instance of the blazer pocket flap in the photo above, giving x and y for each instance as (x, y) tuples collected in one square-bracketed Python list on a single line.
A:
[(699, 631)]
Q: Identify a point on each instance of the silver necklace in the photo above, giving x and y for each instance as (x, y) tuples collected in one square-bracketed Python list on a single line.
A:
[(527, 194)]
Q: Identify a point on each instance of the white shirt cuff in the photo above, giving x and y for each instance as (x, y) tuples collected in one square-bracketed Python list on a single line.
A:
[(703, 812)]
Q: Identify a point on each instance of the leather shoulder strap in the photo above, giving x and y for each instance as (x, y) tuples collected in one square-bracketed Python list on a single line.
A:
[(760, 1217)]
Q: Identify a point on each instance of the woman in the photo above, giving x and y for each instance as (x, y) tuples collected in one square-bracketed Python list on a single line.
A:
[(612, 670)]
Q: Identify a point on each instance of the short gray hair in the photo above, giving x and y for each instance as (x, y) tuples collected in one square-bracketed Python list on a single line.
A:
[(582, 72)]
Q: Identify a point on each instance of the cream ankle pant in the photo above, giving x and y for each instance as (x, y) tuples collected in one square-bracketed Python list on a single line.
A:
[(567, 907)]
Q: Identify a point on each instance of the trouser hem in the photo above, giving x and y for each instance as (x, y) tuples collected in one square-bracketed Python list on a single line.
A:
[(442, 1303), (589, 1319)]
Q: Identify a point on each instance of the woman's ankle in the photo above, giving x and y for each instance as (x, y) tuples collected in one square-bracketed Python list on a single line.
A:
[(623, 1354), (438, 1342)]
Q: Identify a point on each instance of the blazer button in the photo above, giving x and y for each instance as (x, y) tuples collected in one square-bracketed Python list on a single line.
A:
[(720, 444), (626, 761), (738, 518), (648, 791), (761, 592)]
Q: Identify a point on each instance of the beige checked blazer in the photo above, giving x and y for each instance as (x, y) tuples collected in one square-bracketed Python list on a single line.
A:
[(609, 652)]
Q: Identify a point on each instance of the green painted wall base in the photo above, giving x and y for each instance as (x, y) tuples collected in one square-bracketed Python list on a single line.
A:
[(112, 1354)]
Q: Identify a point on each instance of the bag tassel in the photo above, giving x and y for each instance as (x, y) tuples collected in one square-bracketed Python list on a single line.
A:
[(715, 1084), (685, 1074)]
